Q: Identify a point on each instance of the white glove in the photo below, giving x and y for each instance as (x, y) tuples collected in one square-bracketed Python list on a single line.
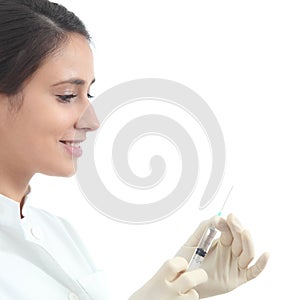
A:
[(227, 262), (171, 282)]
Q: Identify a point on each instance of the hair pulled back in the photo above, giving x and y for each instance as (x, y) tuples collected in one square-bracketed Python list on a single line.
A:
[(30, 31)]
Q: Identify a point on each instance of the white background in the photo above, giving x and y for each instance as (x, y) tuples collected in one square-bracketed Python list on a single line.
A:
[(242, 58)]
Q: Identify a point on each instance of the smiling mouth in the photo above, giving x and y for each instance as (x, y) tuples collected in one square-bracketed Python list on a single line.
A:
[(73, 147), (71, 143)]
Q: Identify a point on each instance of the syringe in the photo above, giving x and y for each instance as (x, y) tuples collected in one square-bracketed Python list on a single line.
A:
[(205, 242)]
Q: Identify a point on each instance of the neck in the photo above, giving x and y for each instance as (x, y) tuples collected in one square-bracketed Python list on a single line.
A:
[(12, 186)]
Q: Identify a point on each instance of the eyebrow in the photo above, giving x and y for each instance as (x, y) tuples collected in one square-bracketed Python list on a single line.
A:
[(75, 81)]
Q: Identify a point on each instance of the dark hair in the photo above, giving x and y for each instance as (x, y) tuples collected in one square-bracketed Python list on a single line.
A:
[(30, 31)]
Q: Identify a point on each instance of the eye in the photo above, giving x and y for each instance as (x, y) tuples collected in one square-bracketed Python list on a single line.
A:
[(66, 98), (90, 96)]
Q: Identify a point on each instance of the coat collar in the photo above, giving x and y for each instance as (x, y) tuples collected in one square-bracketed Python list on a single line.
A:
[(10, 209)]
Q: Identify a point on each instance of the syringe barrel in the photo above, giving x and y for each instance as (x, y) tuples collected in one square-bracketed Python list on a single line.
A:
[(207, 238), (203, 247)]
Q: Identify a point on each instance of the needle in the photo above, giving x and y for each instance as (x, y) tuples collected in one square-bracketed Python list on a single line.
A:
[(221, 210)]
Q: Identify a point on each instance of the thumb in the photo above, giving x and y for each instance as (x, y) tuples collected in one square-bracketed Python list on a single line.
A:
[(172, 268), (189, 280)]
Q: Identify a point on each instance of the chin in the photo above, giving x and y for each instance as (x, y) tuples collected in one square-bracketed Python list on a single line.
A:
[(68, 172), (62, 171)]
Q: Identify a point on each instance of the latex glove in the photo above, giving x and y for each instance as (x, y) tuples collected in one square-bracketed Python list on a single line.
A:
[(227, 262), (171, 282)]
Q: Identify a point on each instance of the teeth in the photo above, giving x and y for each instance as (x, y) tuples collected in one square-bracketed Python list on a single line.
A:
[(72, 144)]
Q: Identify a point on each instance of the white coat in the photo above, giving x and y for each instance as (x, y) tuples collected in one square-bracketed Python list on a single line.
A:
[(42, 257)]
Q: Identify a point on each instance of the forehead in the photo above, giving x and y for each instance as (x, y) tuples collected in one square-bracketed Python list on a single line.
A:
[(73, 59)]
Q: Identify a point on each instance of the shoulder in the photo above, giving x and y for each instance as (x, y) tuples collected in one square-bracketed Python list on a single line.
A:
[(59, 225), (48, 218)]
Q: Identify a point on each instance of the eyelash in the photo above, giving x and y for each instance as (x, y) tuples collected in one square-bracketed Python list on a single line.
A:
[(67, 98)]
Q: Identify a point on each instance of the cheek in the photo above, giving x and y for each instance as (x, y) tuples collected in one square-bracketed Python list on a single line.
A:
[(55, 128), (46, 128)]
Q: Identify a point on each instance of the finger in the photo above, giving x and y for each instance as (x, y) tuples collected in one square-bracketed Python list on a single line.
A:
[(247, 254), (172, 268), (236, 230), (189, 280), (190, 295), (226, 237), (259, 266), (196, 236)]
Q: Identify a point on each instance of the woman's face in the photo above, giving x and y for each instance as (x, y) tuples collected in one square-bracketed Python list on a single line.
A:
[(53, 103)]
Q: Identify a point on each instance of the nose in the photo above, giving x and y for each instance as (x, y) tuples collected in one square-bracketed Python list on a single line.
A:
[(88, 119)]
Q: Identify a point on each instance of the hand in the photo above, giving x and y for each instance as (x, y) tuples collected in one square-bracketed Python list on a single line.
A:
[(227, 262), (171, 282)]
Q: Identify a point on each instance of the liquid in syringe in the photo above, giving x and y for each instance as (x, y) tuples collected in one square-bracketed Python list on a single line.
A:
[(205, 242)]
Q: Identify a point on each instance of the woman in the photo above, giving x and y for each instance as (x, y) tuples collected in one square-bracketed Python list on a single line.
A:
[(46, 70)]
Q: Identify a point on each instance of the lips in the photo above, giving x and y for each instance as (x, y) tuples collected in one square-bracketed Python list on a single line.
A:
[(73, 147), (72, 143)]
